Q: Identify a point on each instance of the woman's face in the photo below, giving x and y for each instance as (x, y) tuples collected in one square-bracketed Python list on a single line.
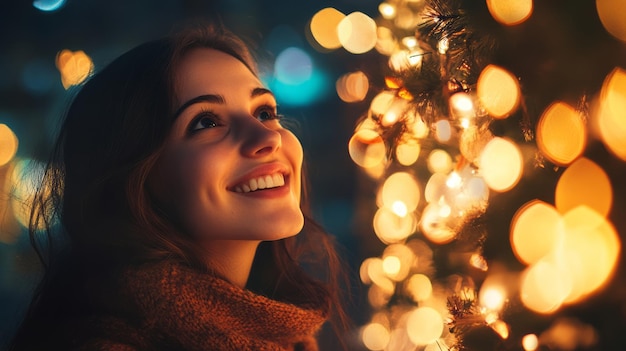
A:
[(229, 169)]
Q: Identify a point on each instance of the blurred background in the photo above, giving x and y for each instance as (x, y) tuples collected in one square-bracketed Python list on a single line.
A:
[(562, 51)]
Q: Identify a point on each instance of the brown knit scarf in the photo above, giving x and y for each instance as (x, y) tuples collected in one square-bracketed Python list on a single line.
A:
[(174, 307)]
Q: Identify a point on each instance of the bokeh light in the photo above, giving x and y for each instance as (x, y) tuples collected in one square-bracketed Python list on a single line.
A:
[(48, 5), (561, 133), (611, 117), (612, 14), (530, 342), (498, 91), (324, 27), (8, 144), (435, 223), (501, 164), (303, 94), (375, 336), (544, 287), (382, 102), (357, 33), (352, 87), (403, 60), (439, 161), (419, 287), (510, 12), (584, 183), (74, 66), (401, 186), (293, 66), (461, 106), (367, 148), (536, 230), (408, 152), (492, 297), (386, 43), (424, 325), (590, 251), (391, 228), (443, 130)]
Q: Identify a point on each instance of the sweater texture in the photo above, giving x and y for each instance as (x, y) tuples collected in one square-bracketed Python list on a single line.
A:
[(169, 306)]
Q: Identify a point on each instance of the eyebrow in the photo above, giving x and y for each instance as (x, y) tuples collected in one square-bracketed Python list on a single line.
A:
[(217, 99)]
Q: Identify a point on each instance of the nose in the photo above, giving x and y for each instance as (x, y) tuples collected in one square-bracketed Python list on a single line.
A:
[(258, 139)]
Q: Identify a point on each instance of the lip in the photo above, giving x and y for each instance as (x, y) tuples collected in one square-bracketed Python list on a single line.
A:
[(262, 170)]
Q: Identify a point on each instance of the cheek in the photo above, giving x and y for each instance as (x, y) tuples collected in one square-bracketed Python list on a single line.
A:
[(294, 152), (292, 148)]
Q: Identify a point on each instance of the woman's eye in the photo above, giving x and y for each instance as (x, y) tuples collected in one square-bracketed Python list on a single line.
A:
[(204, 121), (267, 114)]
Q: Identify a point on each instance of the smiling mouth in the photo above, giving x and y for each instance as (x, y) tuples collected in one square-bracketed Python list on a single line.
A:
[(260, 183)]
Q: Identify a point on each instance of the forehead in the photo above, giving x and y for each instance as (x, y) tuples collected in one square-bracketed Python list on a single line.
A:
[(209, 71)]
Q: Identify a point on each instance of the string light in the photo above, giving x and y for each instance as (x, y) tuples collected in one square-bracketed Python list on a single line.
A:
[(440, 100)]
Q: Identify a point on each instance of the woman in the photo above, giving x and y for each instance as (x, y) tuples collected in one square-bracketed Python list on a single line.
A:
[(178, 192)]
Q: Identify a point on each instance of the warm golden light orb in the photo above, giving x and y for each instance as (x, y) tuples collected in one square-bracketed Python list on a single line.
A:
[(492, 297), (382, 102), (419, 287), (401, 186), (501, 164), (510, 12), (530, 342), (536, 230), (544, 287), (408, 152), (439, 161), (75, 67), (584, 183), (8, 144), (424, 325), (561, 133), (352, 87), (324, 27), (357, 33), (367, 148), (498, 91), (590, 251), (375, 336), (612, 14), (387, 10), (391, 228), (611, 117), (434, 224)]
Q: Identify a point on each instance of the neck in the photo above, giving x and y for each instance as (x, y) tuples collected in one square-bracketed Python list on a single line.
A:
[(232, 259)]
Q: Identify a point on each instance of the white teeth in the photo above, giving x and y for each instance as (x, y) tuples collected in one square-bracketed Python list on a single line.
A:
[(278, 180), (263, 182)]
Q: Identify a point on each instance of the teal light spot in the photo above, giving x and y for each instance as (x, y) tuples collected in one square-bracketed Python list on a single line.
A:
[(293, 66), (48, 5), (302, 94)]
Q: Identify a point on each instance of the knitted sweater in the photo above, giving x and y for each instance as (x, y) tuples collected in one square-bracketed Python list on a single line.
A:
[(169, 306)]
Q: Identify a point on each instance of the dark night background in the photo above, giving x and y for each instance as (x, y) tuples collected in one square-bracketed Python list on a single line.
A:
[(561, 53)]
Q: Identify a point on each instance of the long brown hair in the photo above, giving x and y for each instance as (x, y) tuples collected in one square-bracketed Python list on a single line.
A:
[(93, 200)]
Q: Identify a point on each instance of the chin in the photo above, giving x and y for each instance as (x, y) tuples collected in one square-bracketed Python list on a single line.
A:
[(289, 228)]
